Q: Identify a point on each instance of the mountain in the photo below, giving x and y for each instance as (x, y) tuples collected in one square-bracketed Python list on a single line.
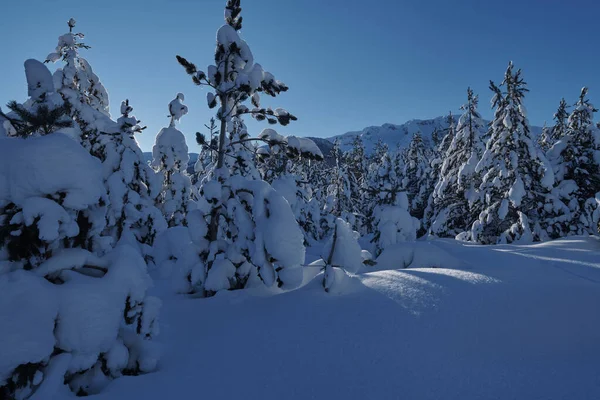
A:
[(400, 135), (393, 135)]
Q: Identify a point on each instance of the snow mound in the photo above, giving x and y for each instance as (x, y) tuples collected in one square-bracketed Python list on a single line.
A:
[(47, 165), (419, 254)]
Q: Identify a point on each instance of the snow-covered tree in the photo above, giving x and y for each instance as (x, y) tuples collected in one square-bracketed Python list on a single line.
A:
[(388, 218), (170, 159), (82, 91), (133, 187), (436, 158), (341, 254), (251, 233), (576, 161), (417, 178), (80, 304), (515, 174), (561, 118), (455, 195), (339, 191), (545, 139), (356, 164)]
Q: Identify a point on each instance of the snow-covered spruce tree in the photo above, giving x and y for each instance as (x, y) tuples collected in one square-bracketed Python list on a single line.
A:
[(515, 174), (436, 156), (576, 161), (80, 303), (417, 178), (389, 219), (455, 197), (170, 159), (340, 255), (339, 191), (545, 139), (207, 156), (44, 112), (357, 166), (291, 180), (561, 118), (251, 234), (81, 89), (133, 187)]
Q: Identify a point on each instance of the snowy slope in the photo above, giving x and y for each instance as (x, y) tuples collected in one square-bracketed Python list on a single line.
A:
[(513, 322), (400, 135)]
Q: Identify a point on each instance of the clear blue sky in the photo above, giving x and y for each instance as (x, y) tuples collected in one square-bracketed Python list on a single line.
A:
[(349, 64)]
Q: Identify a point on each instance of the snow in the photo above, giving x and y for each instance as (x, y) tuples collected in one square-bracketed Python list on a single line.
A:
[(512, 322), (177, 109), (399, 136), (39, 79), (37, 167), (347, 253)]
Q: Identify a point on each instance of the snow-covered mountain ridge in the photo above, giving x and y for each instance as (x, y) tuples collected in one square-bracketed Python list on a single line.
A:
[(399, 136), (395, 136)]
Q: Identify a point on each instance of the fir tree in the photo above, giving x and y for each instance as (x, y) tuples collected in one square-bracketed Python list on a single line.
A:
[(561, 117), (417, 178), (577, 170), (388, 218), (133, 187), (455, 197), (437, 158), (77, 74), (239, 210), (545, 140), (170, 159), (515, 175)]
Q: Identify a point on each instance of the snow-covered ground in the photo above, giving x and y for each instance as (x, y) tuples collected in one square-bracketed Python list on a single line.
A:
[(505, 322)]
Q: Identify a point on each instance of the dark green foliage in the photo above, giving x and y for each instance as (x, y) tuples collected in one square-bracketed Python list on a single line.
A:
[(43, 120)]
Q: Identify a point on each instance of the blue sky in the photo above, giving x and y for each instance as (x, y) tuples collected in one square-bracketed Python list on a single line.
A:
[(349, 64)]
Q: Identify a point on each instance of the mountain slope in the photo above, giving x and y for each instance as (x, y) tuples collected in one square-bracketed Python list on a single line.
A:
[(400, 135)]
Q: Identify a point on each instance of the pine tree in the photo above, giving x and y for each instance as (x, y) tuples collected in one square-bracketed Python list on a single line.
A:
[(388, 218), (339, 190), (244, 216), (544, 140), (436, 156), (356, 163), (454, 199), (417, 178), (133, 187), (577, 170), (341, 254), (170, 159), (44, 112), (53, 245), (515, 175), (77, 74), (561, 117)]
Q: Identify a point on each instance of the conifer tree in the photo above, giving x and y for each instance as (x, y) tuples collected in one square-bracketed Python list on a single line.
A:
[(455, 196), (170, 159), (576, 162), (55, 243), (515, 174), (244, 216), (133, 187), (81, 90), (561, 117), (339, 191), (436, 156), (388, 218), (417, 178)]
